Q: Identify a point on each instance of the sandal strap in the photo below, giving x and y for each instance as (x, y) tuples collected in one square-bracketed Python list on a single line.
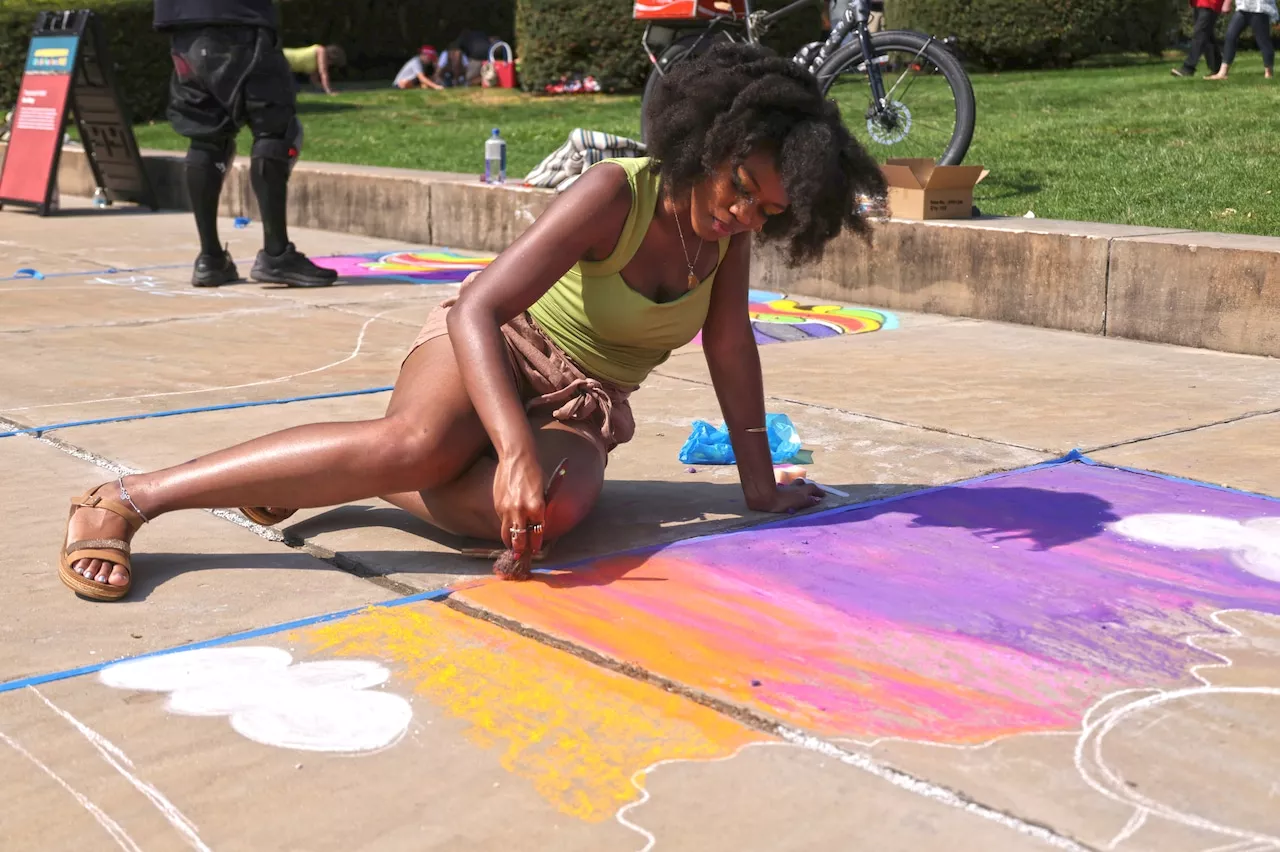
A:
[(90, 500), (99, 544)]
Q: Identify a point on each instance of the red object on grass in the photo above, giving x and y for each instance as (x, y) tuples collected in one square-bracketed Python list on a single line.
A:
[(504, 69)]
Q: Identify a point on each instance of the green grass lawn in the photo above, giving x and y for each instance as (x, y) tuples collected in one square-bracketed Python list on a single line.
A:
[(1128, 144)]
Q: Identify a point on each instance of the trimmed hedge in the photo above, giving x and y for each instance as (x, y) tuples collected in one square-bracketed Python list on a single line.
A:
[(378, 36), (599, 38), (1002, 34)]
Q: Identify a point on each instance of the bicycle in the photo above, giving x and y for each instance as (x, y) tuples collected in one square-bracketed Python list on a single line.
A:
[(925, 67)]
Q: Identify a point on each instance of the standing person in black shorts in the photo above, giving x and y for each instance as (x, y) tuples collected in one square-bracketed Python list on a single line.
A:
[(229, 71)]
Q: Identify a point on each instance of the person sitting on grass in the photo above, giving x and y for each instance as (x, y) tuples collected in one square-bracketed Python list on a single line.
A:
[(454, 66), (419, 70), (535, 360), (314, 61), (1259, 15)]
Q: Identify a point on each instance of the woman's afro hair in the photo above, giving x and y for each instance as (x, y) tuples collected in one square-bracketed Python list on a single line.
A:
[(734, 99)]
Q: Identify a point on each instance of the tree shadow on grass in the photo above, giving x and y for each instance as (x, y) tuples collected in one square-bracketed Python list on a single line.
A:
[(1005, 186), (310, 107)]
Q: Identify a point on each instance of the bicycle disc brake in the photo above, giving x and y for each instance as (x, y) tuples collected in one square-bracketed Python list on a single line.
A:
[(889, 124)]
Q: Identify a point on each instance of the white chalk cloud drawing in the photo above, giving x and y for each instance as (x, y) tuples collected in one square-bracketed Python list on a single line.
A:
[(1127, 709), (327, 705), (1253, 545)]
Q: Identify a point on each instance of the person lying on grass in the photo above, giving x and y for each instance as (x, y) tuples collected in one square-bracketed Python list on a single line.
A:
[(535, 360)]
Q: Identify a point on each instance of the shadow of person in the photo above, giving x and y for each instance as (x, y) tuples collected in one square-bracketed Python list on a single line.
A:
[(629, 514), (152, 570), (1043, 517)]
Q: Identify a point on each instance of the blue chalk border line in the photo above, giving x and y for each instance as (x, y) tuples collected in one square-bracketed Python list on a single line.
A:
[(1075, 456)]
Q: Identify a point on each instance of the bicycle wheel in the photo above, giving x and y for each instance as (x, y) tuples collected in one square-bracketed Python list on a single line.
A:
[(929, 97)]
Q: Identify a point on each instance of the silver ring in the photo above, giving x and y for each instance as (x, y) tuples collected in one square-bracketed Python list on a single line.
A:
[(516, 530), (536, 527)]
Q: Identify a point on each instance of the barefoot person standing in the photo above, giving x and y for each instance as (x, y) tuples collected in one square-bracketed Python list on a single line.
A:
[(229, 71), (1260, 15)]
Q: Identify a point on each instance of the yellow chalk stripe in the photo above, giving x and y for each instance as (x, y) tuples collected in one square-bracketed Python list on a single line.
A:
[(577, 732)]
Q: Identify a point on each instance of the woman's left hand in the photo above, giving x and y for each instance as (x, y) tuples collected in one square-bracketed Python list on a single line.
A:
[(794, 497), (453, 300)]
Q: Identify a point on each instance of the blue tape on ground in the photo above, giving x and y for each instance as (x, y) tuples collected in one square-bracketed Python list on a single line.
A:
[(109, 271), (37, 680), (40, 430)]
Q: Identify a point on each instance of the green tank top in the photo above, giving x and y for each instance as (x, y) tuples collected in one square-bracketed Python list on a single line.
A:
[(609, 330), (303, 60)]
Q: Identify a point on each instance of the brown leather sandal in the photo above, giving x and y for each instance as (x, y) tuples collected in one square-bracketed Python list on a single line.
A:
[(264, 516), (113, 550)]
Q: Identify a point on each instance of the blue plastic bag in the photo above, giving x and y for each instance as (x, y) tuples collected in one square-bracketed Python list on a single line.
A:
[(709, 444)]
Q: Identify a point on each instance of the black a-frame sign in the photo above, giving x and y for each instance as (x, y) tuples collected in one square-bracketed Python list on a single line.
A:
[(69, 71)]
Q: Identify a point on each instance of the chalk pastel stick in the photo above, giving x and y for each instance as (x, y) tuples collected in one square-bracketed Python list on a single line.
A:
[(785, 474), (827, 488)]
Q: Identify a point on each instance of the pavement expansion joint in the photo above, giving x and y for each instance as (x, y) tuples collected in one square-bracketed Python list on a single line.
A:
[(139, 323), (1248, 415)]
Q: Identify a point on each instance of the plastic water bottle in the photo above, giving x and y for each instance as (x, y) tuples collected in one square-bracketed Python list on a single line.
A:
[(100, 199), (495, 159)]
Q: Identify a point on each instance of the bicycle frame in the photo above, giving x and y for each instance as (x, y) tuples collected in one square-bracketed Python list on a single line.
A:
[(661, 40), (756, 23)]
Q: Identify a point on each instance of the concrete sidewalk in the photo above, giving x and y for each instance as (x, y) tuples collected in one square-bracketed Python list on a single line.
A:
[(1073, 656)]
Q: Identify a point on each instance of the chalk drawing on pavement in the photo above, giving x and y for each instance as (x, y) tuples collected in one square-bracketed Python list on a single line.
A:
[(779, 318), (957, 617), (436, 266), (326, 705)]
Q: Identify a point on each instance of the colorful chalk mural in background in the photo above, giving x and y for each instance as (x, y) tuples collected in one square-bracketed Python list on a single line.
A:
[(436, 266), (775, 317), (779, 318), (954, 616)]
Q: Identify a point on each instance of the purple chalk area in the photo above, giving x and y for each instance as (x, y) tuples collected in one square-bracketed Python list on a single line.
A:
[(1025, 560)]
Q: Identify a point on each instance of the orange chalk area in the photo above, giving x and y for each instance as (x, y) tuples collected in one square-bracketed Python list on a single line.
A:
[(578, 733), (768, 648)]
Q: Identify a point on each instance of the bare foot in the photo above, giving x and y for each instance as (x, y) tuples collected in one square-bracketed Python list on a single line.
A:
[(88, 524), (1218, 76), (1266, 72)]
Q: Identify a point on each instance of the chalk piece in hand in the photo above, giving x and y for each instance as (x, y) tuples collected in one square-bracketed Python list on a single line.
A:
[(785, 474)]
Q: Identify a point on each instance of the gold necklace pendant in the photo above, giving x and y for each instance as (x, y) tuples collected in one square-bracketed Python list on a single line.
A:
[(693, 279)]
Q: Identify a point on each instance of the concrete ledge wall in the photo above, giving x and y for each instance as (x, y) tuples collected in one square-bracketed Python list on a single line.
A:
[(1212, 291)]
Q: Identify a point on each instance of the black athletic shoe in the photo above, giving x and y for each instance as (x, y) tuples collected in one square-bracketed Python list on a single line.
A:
[(214, 270), (292, 268)]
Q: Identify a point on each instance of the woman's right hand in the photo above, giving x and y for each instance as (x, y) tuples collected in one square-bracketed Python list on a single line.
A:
[(518, 497)]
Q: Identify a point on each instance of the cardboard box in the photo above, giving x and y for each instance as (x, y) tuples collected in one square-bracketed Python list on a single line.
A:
[(921, 189)]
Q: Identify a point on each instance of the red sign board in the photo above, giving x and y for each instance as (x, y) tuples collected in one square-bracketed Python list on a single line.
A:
[(69, 73), (35, 137)]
